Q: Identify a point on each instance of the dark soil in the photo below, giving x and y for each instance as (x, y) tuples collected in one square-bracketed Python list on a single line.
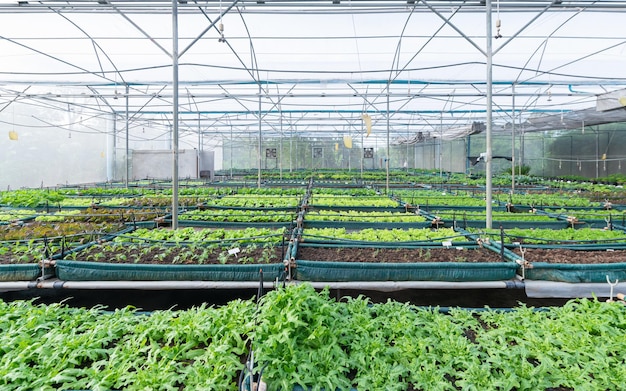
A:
[(400, 255), (572, 256)]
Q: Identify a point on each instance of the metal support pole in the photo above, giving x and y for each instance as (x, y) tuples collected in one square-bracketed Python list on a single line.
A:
[(387, 159), (114, 168), (597, 153), (199, 147), (175, 114), (260, 143), (127, 147), (513, 139), (280, 152), (488, 173)]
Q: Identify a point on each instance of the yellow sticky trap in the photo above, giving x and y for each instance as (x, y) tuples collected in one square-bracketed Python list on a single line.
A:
[(622, 101), (13, 135), (347, 141), (604, 156), (101, 154), (336, 146), (367, 120)]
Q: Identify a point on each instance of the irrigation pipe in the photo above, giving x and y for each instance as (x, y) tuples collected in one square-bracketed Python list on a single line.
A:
[(383, 286), (533, 288), (552, 289)]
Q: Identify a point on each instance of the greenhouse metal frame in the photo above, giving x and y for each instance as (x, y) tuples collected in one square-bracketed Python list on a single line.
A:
[(199, 75)]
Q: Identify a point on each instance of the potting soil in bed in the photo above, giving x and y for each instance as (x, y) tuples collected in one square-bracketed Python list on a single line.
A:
[(400, 255), (567, 256)]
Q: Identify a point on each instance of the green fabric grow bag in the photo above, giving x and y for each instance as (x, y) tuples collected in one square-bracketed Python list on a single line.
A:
[(100, 271), (563, 272), (421, 271), (20, 272)]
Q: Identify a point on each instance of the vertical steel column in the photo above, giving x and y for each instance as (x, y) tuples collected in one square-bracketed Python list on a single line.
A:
[(280, 153), (231, 151), (513, 140), (488, 172), (362, 148), (258, 183), (113, 176), (441, 148), (387, 159), (175, 113), (199, 147), (127, 147)]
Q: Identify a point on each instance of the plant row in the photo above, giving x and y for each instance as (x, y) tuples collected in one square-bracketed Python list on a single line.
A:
[(305, 338)]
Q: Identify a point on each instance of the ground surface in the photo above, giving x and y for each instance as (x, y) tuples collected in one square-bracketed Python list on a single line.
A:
[(571, 256), (401, 255)]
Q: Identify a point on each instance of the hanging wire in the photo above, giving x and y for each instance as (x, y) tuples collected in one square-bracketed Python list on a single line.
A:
[(498, 21), (221, 26)]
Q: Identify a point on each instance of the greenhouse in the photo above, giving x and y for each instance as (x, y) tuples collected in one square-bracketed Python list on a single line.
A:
[(312, 195)]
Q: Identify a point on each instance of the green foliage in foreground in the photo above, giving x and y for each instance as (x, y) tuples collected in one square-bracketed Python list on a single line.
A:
[(302, 337)]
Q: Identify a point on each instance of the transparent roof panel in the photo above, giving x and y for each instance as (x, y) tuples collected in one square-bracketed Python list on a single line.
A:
[(315, 65)]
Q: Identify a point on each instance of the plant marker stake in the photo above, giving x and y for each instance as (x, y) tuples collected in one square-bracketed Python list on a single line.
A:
[(523, 251), (46, 252), (612, 285), (282, 250), (502, 243)]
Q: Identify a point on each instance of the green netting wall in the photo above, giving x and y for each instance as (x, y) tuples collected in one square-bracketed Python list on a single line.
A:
[(427, 271), (21, 272), (96, 271), (576, 273), (590, 152)]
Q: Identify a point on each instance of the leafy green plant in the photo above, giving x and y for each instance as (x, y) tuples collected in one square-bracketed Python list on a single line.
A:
[(562, 236), (300, 336), (383, 235), (238, 215), (363, 216)]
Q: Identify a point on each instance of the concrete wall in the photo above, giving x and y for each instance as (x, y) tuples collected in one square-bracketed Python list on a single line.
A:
[(158, 164)]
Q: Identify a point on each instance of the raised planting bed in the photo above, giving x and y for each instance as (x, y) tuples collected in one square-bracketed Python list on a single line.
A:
[(364, 216), (255, 201), (427, 199), (241, 217), (371, 237), (566, 265), (589, 217), (579, 238), (476, 218), (98, 214), (359, 219), (458, 263), (13, 216), (303, 339), (25, 250), (350, 202), (396, 255), (116, 261), (547, 200), (184, 254)]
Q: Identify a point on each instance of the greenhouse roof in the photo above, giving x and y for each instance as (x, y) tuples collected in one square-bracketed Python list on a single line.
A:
[(314, 68)]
